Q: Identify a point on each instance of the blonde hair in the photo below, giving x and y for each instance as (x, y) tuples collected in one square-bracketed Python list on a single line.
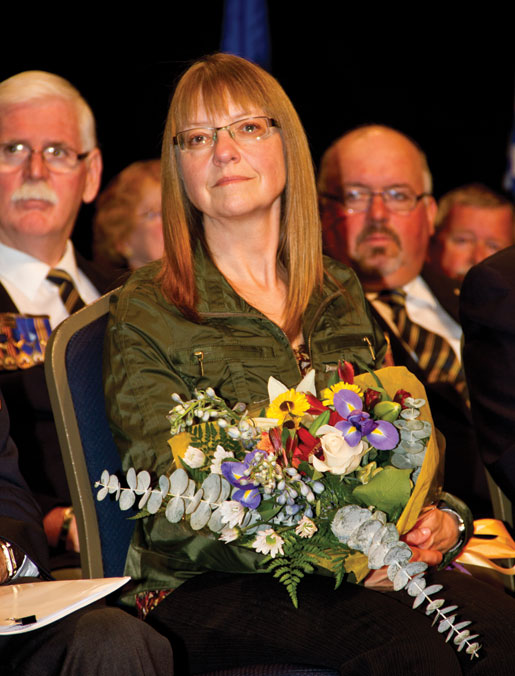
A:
[(37, 85), (472, 195), (215, 80), (115, 207)]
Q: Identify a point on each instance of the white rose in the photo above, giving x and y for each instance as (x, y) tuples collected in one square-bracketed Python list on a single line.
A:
[(194, 457), (339, 457)]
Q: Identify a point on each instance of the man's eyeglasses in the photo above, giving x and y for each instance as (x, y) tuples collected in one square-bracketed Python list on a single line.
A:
[(58, 158), (248, 130), (398, 199)]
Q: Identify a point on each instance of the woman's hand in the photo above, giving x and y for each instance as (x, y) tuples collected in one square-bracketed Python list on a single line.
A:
[(430, 538)]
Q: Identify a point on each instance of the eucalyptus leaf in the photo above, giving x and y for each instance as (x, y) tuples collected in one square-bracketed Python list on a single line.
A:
[(215, 522), (400, 580), (416, 586), (143, 498), (472, 648), (376, 555), (446, 624), (361, 538), (102, 493), (113, 484), (415, 567), (225, 490), (131, 478), (400, 552), (401, 461), (201, 516), (175, 510), (461, 636), (460, 625), (434, 605), (154, 501), (127, 499), (164, 485), (143, 482), (190, 490), (191, 505), (212, 487), (434, 589), (417, 460), (178, 482)]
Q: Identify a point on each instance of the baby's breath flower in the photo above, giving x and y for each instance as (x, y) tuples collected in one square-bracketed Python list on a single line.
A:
[(232, 513), (229, 534), (219, 455), (306, 528), (268, 542)]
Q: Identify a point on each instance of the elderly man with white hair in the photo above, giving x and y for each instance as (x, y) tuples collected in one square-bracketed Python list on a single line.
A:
[(49, 164)]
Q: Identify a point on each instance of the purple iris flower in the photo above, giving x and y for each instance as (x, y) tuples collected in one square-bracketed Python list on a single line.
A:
[(248, 492), (357, 424)]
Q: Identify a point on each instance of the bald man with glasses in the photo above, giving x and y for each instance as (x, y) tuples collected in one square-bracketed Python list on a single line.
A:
[(378, 216), (49, 165)]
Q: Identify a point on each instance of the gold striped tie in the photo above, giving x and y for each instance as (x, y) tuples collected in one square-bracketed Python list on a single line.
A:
[(436, 358), (67, 289)]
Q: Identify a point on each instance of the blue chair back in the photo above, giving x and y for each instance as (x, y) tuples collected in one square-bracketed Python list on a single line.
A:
[(73, 367)]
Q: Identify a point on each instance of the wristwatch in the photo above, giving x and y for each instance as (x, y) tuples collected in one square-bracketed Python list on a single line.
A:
[(464, 520)]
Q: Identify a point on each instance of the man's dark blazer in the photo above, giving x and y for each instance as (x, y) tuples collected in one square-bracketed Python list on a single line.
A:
[(32, 422), (20, 515), (464, 473), (488, 318)]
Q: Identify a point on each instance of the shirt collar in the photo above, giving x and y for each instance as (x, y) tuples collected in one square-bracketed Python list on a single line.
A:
[(416, 291), (17, 265)]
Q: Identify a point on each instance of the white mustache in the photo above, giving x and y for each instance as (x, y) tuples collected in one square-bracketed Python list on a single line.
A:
[(35, 191)]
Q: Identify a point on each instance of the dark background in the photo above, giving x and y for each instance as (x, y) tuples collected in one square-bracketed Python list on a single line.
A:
[(449, 87)]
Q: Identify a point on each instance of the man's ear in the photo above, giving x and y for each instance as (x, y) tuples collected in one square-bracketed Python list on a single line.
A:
[(431, 210), (93, 175)]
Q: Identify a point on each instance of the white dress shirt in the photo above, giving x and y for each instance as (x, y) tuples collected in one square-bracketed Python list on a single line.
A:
[(24, 279), (423, 309)]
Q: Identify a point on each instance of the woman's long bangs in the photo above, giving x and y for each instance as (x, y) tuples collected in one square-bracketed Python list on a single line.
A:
[(217, 81)]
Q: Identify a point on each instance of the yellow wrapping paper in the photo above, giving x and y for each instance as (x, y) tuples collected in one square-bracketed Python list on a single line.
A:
[(429, 483)]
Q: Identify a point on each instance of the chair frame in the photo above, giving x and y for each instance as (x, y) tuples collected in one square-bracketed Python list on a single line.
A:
[(69, 435)]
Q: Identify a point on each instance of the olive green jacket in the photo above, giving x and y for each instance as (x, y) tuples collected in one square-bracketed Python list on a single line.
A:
[(152, 351)]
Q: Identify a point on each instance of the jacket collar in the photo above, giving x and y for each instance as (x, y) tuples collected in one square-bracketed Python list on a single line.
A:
[(216, 295)]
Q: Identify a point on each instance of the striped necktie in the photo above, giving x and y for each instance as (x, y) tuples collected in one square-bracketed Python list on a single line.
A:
[(436, 357), (67, 289)]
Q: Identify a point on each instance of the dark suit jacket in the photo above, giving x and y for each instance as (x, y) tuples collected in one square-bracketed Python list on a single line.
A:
[(464, 473), (488, 320), (32, 422), (20, 516)]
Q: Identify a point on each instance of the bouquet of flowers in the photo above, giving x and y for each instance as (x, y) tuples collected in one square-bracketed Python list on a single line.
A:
[(309, 482)]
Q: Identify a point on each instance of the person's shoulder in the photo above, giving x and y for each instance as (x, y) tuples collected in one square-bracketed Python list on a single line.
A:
[(499, 264), (141, 291), (343, 273), (103, 279), (488, 290)]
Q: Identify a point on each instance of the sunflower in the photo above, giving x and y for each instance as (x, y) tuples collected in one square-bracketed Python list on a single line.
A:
[(329, 392), (287, 405)]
